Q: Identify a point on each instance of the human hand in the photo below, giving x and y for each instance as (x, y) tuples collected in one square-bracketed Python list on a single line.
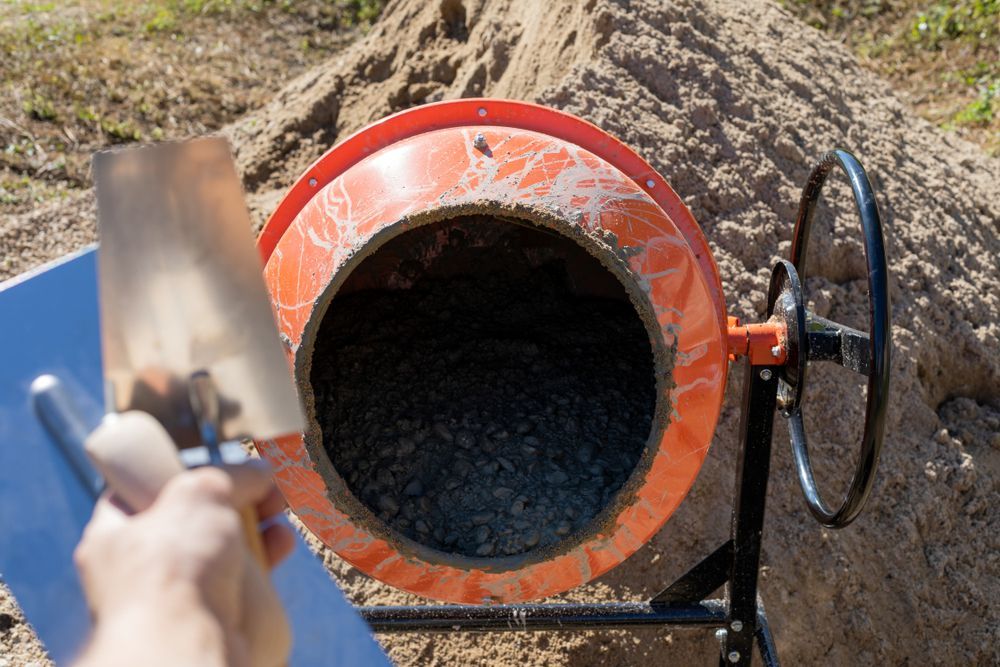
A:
[(175, 584)]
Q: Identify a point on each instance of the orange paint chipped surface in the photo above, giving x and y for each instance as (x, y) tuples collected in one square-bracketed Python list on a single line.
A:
[(418, 162)]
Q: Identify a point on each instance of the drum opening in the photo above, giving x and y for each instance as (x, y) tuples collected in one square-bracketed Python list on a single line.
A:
[(484, 386)]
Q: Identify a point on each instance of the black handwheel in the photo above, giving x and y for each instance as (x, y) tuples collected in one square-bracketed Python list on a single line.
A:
[(867, 354)]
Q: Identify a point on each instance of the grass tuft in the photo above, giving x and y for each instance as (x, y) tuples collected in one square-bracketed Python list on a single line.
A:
[(944, 57)]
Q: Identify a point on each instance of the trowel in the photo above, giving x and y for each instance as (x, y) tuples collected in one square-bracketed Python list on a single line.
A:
[(187, 329), (191, 352)]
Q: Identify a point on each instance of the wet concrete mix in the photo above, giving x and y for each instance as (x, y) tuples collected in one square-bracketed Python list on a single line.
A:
[(484, 415)]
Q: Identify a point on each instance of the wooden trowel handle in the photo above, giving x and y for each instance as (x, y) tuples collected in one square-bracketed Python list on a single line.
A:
[(137, 458), (135, 455)]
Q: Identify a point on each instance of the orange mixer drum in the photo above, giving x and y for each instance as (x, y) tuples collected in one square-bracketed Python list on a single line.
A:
[(550, 171)]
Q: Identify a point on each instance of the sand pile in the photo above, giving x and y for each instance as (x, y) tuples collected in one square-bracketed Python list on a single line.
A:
[(732, 103)]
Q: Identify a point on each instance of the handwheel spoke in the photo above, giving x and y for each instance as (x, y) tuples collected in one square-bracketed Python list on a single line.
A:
[(832, 341)]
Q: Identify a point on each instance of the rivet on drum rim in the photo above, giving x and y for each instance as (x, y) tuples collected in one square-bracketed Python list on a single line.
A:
[(312, 182)]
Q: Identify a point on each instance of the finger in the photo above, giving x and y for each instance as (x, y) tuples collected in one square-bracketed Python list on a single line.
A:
[(105, 523), (279, 541), (272, 504), (109, 513), (252, 482), (235, 485)]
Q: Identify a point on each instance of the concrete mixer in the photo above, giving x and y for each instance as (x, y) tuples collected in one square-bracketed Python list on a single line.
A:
[(479, 188)]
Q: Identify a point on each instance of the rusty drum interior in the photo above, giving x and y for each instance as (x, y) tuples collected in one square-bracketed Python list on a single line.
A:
[(484, 386)]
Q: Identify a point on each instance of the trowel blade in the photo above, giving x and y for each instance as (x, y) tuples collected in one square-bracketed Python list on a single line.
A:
[(181, 291)]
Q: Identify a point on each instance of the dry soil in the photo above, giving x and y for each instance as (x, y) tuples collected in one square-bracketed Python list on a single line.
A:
[(732, 103)]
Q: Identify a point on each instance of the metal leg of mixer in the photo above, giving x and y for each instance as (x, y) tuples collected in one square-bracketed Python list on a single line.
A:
[(753, 466), (700, 581), (525, 617)]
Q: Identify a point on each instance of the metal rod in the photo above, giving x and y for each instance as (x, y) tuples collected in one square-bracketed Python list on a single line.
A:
[(765, 640), (469, 618), (700, 581), (60, 414), (205, 405)]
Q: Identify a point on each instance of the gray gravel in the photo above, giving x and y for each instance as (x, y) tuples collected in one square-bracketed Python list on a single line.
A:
[(486, 415)]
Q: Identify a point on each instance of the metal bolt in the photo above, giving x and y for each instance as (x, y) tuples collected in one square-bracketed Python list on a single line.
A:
[(775, 351), (737, 626), (482, 111), (313, 182), (720, 634), (480, 141), (765, 374), (734, 656), (650, 183)]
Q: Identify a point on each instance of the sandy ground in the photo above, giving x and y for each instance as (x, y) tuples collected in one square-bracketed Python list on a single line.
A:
[(732, 103)]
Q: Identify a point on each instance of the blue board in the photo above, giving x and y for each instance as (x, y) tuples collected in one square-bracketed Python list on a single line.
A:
[(49, 324)]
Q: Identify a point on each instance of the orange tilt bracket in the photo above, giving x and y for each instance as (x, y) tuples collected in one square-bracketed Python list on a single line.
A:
[(764, 343)]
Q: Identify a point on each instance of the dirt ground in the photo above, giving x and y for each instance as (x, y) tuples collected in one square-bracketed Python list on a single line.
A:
[(81, 74), (732, 103)]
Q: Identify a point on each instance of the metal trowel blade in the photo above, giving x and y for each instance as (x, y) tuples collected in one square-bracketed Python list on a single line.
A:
[(182, 293)]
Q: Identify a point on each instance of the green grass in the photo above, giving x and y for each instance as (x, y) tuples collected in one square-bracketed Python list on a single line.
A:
[(943, 56), (39, 108), (971, 20), (981, 111)]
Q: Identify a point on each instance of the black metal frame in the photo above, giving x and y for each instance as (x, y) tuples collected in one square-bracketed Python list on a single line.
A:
[(739, 616)]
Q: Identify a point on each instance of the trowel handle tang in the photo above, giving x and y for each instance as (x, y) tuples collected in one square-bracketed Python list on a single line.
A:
[(204, 399)]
